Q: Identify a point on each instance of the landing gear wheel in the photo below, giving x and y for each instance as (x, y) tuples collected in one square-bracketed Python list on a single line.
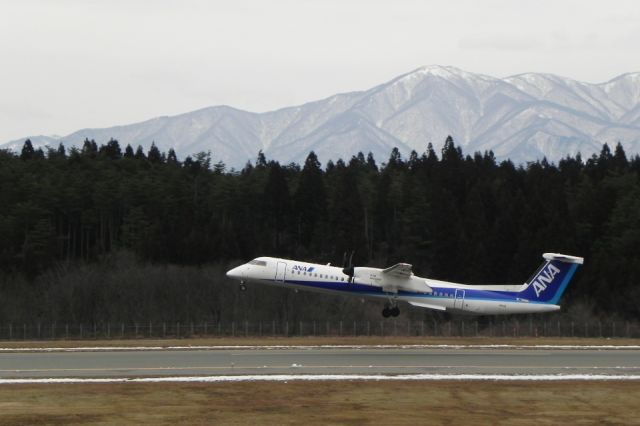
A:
[(243, 287), (391, 309)]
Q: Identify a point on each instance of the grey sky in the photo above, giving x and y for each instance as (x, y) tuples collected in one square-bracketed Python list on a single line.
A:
[(67, 64)]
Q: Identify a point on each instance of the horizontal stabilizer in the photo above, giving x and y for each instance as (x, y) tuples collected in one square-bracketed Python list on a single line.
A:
[(428, 306), (563, 258)]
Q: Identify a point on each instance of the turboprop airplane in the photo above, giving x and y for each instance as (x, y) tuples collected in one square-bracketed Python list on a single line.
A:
[(540, 293)]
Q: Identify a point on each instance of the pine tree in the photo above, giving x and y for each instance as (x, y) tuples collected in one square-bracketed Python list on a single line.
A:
[(89, 148), (347, 214), (619, 158), (172, 158), (451, 153), (395, 160), (128, 152), (139, 155), (310, 200), (61, 151), (371, 162), (111, 150), (27, 150), (261, 161), (154, 155), (277, 206)]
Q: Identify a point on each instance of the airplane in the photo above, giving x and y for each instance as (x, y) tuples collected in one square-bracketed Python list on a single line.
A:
[(397, 283)]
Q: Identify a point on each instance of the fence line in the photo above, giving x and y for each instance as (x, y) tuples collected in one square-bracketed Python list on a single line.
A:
[(273, 328)]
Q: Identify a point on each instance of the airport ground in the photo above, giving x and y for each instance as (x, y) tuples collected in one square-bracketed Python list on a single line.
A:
[(311, 340), (322, 402), (352, 402)]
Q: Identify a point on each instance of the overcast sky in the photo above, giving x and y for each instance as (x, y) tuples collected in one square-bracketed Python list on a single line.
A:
[(66, 65)]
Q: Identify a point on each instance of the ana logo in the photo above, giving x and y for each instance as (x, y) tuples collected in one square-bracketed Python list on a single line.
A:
[(303, 268), (545, 278)]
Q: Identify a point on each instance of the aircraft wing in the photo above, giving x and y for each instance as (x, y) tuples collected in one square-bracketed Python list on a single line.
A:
[(400, 270), (400, 277)]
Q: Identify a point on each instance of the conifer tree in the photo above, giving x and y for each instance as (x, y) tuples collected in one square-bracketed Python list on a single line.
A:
[(154, 155), (277, 205), (139, 155), (128, 152), (172, 158), (27, 150), (310, 200), (61, 151), (111, 150), (89, 148)]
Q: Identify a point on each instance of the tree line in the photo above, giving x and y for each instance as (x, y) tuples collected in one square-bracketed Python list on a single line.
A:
[(71, 221)]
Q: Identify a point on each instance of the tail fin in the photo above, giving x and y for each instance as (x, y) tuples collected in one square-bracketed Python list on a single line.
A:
[(550, 281)]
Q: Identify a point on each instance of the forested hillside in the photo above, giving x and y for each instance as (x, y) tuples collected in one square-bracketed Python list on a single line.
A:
[(105, 234)]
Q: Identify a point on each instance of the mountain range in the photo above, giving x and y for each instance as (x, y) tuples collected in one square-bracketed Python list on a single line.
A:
[(523, 117)]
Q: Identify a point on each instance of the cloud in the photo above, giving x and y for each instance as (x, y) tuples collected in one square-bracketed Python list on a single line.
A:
[(503, 42)]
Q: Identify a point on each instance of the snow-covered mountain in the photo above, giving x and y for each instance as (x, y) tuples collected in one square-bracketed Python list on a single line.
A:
[(523, 117)]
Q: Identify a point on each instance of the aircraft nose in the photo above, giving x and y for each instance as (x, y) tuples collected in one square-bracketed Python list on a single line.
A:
[(235, 273)]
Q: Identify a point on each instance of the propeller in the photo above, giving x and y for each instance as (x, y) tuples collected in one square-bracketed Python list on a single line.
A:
[(347, 268)]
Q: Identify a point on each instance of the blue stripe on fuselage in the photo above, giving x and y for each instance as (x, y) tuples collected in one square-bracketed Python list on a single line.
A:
[(364, 289)]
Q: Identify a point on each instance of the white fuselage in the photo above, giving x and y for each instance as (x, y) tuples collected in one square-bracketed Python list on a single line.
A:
[(373, 283)]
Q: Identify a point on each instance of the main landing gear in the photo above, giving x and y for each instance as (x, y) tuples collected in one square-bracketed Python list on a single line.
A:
[(390, 310)]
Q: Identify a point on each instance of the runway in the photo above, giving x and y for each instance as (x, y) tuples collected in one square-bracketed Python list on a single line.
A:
[(317, 360)]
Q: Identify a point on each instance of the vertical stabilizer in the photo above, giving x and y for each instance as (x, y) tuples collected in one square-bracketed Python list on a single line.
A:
[(551, 279)]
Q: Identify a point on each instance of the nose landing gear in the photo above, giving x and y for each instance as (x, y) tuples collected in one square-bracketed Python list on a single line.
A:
[(243, 287)]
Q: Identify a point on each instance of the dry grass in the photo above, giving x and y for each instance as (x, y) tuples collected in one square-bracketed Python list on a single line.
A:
[(334, 340), (316, 403)]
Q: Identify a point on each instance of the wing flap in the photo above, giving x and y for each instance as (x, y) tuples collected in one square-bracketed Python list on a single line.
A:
[(411, 285), (428, 306)]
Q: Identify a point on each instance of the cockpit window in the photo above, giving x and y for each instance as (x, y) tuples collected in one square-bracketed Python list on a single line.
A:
[(258, 262)]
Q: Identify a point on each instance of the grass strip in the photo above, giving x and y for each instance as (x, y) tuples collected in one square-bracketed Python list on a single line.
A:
[(322, 402)]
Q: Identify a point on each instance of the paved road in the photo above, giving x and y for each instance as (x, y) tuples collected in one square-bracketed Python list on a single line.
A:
[(318, 361)]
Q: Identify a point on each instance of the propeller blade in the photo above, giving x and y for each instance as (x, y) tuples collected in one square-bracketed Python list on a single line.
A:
[(349, 269)]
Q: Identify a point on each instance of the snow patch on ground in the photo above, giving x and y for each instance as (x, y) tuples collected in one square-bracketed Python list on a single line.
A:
[(332, 377), (302, 347)]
